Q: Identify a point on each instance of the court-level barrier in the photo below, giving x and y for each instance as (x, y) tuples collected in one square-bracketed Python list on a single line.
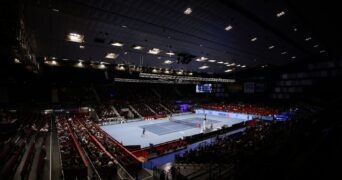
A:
[(199, 137), (160, 148), (159, 116)]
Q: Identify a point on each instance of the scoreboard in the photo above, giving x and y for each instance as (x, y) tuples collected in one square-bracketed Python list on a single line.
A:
[(204, 88)]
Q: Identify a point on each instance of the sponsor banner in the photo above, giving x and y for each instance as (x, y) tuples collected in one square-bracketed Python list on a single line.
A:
[(224, 114), (113, 119), (267, 118), (149, 118)]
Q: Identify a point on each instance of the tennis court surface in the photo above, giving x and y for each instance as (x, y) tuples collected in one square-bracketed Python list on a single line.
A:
[(163, 130), (176, 125)]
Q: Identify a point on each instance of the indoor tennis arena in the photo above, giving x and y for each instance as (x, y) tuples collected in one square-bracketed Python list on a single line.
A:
[(170, 90)]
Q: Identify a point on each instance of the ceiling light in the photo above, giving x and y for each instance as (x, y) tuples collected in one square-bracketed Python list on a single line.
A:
[(316, 46), (203, 67), (254, 39), (201, 59), (82, 47), (112, 55), (167, 62), (284, 52), (212, 60), (228, 28), (121, 68), (101, 66), (55, 10), (188, 11), (271, 47), (233, 64), (295, 29), (228, 70), (79, 64), (238, 65), (293, 57), (243, 66), (154, 51), (53, 62), (190, 73), (138, 47), (308, 39), (17, 61), (220, 62), (118, 44), (180, 72), (74, 37), (170, 53), (226, 63), (154, 70), (322, 51), (166, 71), (282, 13)]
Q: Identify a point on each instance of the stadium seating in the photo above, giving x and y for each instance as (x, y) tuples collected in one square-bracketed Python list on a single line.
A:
[(74, 162), (242, 108)]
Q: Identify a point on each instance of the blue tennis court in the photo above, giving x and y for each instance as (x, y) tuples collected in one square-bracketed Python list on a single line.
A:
[(166, 127), (174, 126), (162, 130)]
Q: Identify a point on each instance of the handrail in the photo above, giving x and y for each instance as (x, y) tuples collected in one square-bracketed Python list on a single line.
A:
[(101, 146), (122, 168), (27, 161), (96, 141), (77, 146), (162, 144)]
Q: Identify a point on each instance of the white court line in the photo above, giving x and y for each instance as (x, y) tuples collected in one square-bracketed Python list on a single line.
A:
[(50, 146)]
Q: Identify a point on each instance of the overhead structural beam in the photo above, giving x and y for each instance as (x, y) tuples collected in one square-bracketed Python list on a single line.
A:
[(184, 78)]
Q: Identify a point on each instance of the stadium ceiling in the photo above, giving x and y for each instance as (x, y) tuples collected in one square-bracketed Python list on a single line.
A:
[(224, 36)]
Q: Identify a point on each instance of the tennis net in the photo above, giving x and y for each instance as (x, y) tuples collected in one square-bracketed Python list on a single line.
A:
[(187, 123)]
